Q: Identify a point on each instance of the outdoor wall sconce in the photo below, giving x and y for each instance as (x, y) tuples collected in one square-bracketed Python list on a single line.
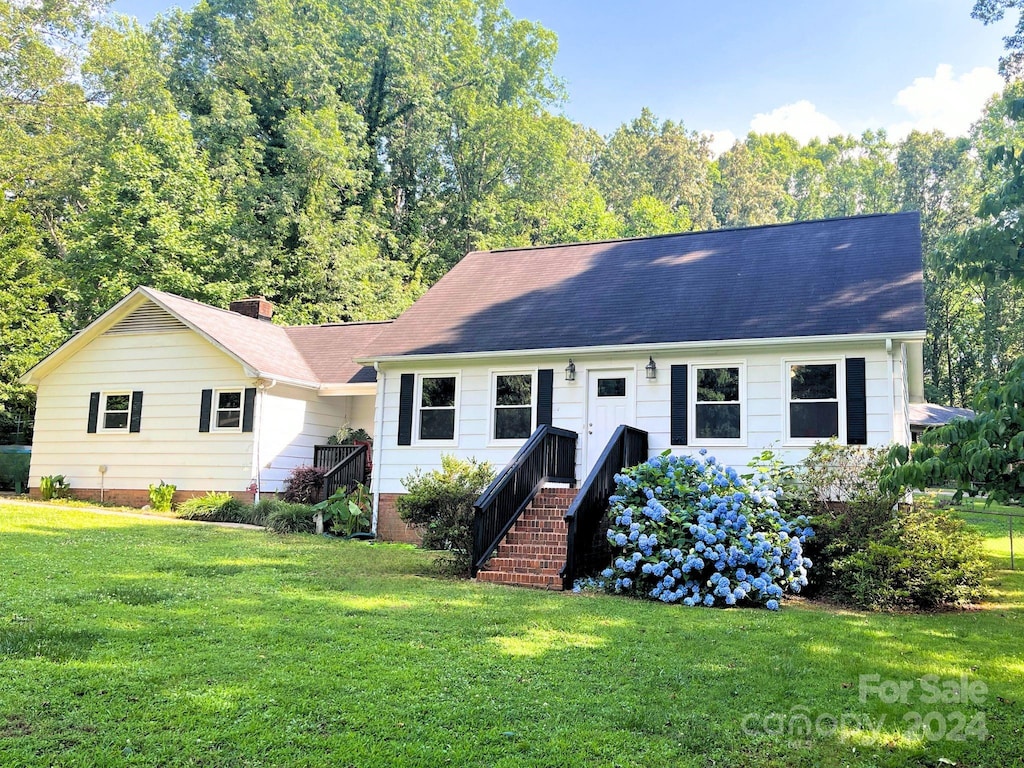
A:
[(570, 371), (652, 370)]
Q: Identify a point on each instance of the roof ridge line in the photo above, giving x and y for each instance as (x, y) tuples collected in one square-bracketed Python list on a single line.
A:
[(691, 233)]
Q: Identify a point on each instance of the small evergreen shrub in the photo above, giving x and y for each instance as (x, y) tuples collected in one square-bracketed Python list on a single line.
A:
[(161, 496), (304, 485), (875, 553), (688, 529), (439, 504), (215, 508), (918, 559), (286, 517)]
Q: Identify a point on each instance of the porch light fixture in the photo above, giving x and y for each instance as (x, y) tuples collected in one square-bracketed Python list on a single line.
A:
[(652, 370), (570, 371)]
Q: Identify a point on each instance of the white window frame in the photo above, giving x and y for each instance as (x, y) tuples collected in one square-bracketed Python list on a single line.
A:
[(493, 404), (691, 403), (215, 409), (418, 407), (102, 425), (787, 393)]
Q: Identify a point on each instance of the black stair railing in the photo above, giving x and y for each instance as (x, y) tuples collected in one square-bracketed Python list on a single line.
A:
[(584, 550), (349, 470), (548, 456)]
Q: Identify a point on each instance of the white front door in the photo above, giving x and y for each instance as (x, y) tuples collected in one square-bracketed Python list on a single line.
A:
[(610, 402)]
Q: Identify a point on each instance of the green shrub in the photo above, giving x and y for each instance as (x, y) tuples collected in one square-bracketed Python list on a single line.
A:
[(161, 496), (14, 470), (439, 504), (286, 517), (54, 487), (918, 559), (874, 553), (216, 508)]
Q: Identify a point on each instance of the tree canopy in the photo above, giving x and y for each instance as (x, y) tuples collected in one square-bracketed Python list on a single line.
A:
[(340, 157)]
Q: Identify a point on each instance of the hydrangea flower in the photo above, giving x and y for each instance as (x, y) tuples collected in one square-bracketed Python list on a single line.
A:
[(692, 518)]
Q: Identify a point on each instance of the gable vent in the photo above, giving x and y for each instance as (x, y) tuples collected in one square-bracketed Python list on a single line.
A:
[(149, 318)]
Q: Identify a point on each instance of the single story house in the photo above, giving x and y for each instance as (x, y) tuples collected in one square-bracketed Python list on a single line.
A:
[(165, 388), (733, 340)]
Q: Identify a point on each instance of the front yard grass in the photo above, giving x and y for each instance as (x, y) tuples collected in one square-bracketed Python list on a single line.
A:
[(126, 641)]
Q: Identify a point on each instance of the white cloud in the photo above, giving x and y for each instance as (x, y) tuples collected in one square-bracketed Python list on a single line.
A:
[(801, 120), (944, 102), (719, 141)]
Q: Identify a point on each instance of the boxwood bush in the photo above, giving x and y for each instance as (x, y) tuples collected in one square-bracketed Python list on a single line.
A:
[(688, 529)]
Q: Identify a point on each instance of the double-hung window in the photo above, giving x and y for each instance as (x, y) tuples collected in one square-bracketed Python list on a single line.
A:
[(437, 398), (116, 410), (513, 406), (229, 410), (813, 393), (718, 402)]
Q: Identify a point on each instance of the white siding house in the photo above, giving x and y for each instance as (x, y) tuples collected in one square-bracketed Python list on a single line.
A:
[(163, 388), (764, 372), (732, 341)]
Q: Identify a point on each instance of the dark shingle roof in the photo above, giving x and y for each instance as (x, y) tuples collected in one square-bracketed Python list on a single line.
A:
[(933, 415), (329, 350), (819, 278), (312, 354)]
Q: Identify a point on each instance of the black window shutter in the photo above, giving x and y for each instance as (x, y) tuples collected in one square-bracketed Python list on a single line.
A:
[(405, 409), (856, 402), (248, 409), (545, 396), (678, 406), (94, 412), (205, 406), (135, 424)]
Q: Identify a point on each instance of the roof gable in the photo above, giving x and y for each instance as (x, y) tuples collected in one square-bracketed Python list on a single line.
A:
[(859, 275), (311, 356)]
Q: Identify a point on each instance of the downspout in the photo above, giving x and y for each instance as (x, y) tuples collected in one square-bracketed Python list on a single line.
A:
[(892, 390), (378, 447), (261, 388)]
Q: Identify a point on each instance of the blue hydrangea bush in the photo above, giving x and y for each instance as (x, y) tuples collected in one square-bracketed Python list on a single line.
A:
[(688, 529)]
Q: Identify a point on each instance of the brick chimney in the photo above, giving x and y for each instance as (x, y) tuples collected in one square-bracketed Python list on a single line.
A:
[(255, 306)]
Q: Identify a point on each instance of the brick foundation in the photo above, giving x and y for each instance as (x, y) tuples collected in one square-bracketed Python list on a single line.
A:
[(134, 497), (390, 526)]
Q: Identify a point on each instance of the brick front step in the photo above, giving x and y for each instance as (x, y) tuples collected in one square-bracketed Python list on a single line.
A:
[(542, 581), (526, 564), (534, 550)]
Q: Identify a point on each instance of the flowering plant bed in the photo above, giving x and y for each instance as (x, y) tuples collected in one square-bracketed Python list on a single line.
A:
[(689, 529)]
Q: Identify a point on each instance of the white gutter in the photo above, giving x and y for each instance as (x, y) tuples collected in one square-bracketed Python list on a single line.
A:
[(378, 445), (654, 347)]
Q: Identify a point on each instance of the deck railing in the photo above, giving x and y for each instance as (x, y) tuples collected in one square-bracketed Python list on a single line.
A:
[(345, 465), (628, 446), (548, 456)]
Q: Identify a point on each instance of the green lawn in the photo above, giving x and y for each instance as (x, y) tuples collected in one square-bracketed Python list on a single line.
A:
[(126, 641)]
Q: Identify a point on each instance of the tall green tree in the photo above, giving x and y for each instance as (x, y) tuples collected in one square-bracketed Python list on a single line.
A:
[(29, 328), (149, 211), (658, 162)]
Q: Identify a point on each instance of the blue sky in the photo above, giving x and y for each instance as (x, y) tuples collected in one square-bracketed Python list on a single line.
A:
[(809, 67)]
